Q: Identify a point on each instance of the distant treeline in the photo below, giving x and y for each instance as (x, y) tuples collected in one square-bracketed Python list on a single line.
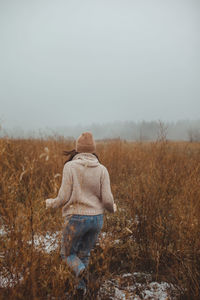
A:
[(127, 130)]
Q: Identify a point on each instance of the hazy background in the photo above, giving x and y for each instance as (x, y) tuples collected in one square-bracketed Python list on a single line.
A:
[(69, 64)]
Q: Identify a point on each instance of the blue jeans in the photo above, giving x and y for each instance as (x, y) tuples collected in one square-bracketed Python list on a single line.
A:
[(80, 234)]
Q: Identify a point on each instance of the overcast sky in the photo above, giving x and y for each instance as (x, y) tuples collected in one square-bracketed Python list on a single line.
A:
[(83, 61)]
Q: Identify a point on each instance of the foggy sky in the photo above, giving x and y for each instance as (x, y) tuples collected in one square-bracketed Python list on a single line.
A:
[(78, 62)]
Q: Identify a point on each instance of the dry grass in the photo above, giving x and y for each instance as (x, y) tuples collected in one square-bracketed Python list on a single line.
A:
[(157, 189)]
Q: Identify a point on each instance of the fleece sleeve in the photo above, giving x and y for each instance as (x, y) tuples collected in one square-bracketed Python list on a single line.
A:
[(65, 190), (106, 194)]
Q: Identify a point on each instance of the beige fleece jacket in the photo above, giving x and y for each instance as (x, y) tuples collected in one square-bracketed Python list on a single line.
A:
[(85, 188)]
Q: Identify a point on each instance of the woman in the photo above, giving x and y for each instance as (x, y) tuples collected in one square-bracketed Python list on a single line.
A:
[(84, 194)]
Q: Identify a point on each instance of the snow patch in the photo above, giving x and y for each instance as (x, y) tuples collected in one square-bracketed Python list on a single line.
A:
[(137, 286), (48, 242)]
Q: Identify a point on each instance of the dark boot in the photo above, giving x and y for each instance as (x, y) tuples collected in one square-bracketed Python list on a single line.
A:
[(80, 293), (82, 285)]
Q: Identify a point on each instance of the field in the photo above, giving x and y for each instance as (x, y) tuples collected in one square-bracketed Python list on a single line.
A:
[(154, 235)]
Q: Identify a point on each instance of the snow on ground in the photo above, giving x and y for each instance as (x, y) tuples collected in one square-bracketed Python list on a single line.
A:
[(9, 280), (157, 291), (133, 286), (126, 286), (48, 242), (2, 231)]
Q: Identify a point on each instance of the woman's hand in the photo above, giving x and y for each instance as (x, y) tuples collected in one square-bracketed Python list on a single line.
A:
[(114, 207), (49, 203)]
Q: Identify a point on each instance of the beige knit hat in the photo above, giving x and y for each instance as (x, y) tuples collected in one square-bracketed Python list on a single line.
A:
[(85, 143)]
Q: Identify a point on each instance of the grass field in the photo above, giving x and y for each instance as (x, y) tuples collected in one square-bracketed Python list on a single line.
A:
[(156, 229)]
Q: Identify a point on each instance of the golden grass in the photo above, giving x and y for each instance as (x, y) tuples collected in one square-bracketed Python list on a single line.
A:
[(157, 190)]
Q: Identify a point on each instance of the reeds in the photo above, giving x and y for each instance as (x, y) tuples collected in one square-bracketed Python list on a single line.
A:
[(156, 229)]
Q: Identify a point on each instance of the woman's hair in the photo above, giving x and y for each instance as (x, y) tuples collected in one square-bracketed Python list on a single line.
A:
[(72, 153)]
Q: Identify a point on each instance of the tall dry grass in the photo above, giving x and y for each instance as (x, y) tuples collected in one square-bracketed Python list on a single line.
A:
[(157, 189)]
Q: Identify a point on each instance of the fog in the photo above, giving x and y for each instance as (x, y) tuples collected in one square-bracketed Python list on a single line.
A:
[(127, 130), (75, 63)]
